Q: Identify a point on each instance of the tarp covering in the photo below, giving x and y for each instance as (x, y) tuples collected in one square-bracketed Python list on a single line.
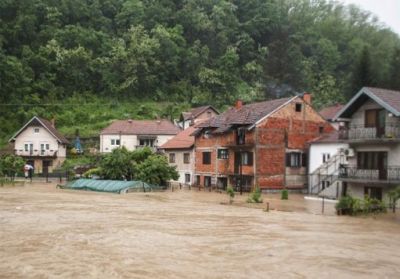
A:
[(112, 186)]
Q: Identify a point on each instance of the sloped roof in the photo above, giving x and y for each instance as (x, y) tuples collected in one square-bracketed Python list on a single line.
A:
[(332, 137), (247, 115), (388, 99), (47, 125), (194, 112), (141, 127), (329, 112), (183, 140)]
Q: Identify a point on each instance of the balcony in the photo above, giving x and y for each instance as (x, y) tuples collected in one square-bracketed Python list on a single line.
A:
[(154, 148), (36, 153), (390, 132), (388, 175)]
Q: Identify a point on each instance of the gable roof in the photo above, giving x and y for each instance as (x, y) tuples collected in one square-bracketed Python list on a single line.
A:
[(250, 114), (183, 140), (388, 99), (44, 123), (329, 113), (194, 112), (141, 127)]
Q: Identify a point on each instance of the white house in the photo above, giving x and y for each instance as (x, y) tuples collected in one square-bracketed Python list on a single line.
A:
[(196, 115), (180, 153), (134, 134), (40, 144)]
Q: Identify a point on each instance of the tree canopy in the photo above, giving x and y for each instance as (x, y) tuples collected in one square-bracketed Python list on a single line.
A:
[(189, 52)]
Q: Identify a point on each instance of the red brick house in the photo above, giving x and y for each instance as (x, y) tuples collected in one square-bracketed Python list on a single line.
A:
[(262, 144)]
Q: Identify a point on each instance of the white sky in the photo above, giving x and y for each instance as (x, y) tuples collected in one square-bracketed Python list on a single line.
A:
[(388, 11)]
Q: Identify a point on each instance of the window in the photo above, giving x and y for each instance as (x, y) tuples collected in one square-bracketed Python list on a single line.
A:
[(207, 181), (197, 180), (26, 147), (187, 177), (172, 157), (186, 158), (294, 160), (115, 142), (223, 153), (36, 130), (321, 129), (373, 192), (298, 107), (325, 184), (206, 158), (146, 142), (371, 160), (241, 136), (247, 158), (209, 114), (325, 157), (371, 117)]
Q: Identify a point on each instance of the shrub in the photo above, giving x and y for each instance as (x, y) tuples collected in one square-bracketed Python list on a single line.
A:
[(345, 206), (91, 172), (284, 194), (255, 196), (231, 193), (348, 205)]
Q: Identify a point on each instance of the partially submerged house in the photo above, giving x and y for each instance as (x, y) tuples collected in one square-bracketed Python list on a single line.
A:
[(370, 125), (196, 115), (40, 144), (180, 153), (134, 134), (263, 144)]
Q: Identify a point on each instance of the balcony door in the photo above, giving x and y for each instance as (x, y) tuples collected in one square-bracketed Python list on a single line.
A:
[(376, 118), (373, 161)]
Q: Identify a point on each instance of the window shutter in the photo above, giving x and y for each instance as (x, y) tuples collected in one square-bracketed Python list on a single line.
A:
[(288, 155), (304, 159)]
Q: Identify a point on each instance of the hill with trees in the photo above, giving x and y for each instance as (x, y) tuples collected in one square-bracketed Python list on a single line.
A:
[(86, 62)]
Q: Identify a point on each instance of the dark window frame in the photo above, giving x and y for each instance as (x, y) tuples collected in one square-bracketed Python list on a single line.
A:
[(298, 107), (206, 158), (172, 158), (223, 153), (186, 158)]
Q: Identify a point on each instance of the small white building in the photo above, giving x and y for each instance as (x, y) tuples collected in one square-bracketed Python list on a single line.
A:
[(196, 115), (134, 134), (180, 153), (40, 144)]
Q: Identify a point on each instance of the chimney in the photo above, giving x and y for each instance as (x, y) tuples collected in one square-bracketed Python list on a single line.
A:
[(307, 97), (53, 122), (238, 104)]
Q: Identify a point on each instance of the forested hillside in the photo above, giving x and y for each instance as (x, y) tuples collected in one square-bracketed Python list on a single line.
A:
[(86, 62)]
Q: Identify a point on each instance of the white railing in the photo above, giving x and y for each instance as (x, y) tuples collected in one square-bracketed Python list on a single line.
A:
[(36, 153)]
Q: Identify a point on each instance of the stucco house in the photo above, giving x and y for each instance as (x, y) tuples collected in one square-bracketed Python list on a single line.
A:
[(40, 144), (134, 134), (261, 144), (196, 115), (370, 125), (180, 153)]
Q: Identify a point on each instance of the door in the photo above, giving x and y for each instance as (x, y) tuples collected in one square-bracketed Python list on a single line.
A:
[(45, 167), (222, 183), (382, 165), (237, 162), (381, 123)]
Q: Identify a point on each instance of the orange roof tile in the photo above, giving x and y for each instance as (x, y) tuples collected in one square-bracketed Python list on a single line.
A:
[(183, 140)]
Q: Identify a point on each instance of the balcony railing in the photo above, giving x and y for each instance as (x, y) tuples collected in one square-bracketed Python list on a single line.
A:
[(36, 153), (360, 132), (154, 148), (389, 174)]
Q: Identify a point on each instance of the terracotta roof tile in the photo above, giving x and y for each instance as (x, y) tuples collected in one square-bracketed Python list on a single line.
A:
[(329, 112), (194, 112), (327, 138), (141, 127), (183, 140), (390, 97)]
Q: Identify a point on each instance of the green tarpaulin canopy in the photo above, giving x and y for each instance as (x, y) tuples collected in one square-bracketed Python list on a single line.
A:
[(112, 186)]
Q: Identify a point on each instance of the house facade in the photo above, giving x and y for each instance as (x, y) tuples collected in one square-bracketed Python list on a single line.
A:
[(41, 145), (135, 134), (261, 144), (329, 114), (196, 115), (370, 125), (180, 153)]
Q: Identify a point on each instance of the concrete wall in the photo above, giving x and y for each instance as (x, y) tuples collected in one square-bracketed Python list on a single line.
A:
[(129, 141), (358, 118), (318, 149), (181, 167)]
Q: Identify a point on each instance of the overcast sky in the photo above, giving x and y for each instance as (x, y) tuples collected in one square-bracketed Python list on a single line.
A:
[(388, 11)]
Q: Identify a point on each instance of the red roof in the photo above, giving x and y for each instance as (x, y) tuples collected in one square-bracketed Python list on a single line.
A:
[(183, 140), (329, 112), (327, 138), (141, 127)]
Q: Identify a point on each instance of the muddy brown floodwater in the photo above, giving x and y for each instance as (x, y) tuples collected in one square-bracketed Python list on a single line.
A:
[(52, 233)]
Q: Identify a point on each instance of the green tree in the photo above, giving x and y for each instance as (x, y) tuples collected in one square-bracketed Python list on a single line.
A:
[(117, 165), (156, 170), (395, 70), (363, 75), (10, 165)]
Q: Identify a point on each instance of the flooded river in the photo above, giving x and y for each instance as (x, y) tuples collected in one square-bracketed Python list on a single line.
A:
[(52, 233)]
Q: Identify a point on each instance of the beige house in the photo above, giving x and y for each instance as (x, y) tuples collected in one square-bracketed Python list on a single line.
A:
[(180, 153), (196, 115), (40, 144), (134, 134), (370, 125)]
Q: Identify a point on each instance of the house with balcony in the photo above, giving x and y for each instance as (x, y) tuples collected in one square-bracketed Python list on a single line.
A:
[(261, 144), (196, 115), (180, 153), (40, 144), (370, 125), (135, 134)]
